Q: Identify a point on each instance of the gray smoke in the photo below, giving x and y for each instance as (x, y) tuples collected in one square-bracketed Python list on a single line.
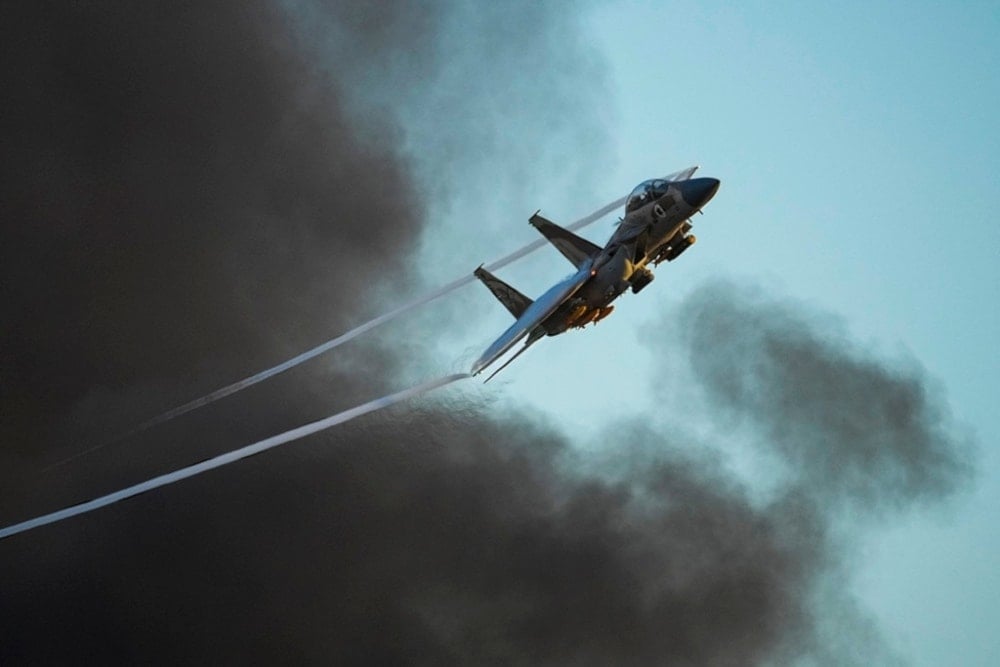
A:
[(851, 426), (184, 189), (233, 456)]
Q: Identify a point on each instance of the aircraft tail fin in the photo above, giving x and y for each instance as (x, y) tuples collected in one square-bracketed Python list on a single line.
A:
[(574, 248), (513, 300)]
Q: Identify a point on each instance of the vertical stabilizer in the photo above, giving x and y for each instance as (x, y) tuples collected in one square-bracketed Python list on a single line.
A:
[(574, 248), (512, 300)]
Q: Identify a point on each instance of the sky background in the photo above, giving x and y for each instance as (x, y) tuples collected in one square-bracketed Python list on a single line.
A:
[(784, 451), (834, 128), (860, 165)]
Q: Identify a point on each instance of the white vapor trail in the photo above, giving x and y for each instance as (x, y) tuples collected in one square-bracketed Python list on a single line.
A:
[(339, 340), (229, 457)]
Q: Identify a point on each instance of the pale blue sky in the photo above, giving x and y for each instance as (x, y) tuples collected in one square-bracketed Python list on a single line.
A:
[(860, 157), (860, 163)]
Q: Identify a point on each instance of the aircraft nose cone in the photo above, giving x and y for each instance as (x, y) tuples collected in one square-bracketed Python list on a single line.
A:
[(698, 191)]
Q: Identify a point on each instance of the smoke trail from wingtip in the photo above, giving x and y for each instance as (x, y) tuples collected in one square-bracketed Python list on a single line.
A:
[(230, 457), (250, 381)]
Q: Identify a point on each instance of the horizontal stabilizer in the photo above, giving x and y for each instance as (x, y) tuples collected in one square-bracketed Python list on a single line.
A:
[(575, 249), (528, 323), (512, 300)]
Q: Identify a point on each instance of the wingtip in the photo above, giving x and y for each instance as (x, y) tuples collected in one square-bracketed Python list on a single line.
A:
[(477, 367)]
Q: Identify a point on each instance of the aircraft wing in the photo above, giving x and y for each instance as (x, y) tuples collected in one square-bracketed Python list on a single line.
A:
[(682, 175), (535, 314)]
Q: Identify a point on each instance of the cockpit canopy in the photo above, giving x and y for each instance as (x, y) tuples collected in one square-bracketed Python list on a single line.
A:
[(646, 192)]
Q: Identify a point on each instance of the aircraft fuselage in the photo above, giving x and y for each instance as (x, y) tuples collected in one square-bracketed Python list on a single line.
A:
[(654, 229), (644, 233)]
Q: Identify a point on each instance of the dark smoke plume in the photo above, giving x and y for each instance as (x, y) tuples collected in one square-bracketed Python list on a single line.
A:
[(191, 192), (850, 425), (182, 190)]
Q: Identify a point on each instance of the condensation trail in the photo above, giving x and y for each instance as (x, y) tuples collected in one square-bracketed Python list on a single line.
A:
[(230, 457), (240, 385)]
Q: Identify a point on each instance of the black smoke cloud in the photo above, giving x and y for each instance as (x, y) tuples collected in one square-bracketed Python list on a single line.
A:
[(193, 192), (182, 189), (851, 425)]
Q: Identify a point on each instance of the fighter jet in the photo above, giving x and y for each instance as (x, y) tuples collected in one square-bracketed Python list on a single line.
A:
[(655, 228)]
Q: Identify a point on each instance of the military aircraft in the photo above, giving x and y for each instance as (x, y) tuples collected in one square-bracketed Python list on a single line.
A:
[(655, 229)]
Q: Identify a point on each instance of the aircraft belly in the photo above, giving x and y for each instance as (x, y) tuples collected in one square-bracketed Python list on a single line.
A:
[(660, 235), (610, 280)]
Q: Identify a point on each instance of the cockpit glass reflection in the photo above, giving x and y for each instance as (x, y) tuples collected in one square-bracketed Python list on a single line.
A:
[(646, 192)]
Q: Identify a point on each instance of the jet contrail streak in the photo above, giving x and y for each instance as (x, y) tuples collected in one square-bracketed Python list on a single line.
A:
[(229, 457), (339, 340)]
